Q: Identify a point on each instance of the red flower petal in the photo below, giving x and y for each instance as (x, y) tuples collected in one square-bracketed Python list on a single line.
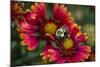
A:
[(81, 38), (84, 48), (32, 45), (26, 27), (39, 9), (61, 60), (31, 17), (59, 12), (51, 53)]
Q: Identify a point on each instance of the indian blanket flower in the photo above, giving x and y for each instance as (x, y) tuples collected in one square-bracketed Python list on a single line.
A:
[(16, 10), (64, 40)]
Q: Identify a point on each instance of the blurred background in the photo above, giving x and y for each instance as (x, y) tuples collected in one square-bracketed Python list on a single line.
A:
[(84, 16)]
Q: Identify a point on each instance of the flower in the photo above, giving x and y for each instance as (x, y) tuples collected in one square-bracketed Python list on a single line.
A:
[(70, 48), (29, 26), (65, 41), (16, 10)]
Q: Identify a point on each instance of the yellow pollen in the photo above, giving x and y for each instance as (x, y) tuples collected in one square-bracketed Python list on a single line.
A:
[(68, 43), (50, 28)]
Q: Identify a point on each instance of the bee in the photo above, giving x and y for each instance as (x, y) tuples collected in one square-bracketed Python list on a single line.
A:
[(62, 32)]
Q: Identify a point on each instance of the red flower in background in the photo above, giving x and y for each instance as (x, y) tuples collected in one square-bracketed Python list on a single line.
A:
[(65, 41), (16, 10)]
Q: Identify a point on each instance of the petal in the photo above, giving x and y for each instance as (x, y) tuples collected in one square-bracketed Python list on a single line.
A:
[(33, 44), (25, 27), (84, 48), (30, 41), (61, 60), (74, 32), (31, 17), (81, 38), (75, 58), (83, 55), (39, 9), (61, 13), (26, 36), (51, 53), (79, 54)]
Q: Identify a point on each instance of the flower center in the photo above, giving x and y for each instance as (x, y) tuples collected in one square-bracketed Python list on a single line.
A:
[(68, 43), (50, 28)]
